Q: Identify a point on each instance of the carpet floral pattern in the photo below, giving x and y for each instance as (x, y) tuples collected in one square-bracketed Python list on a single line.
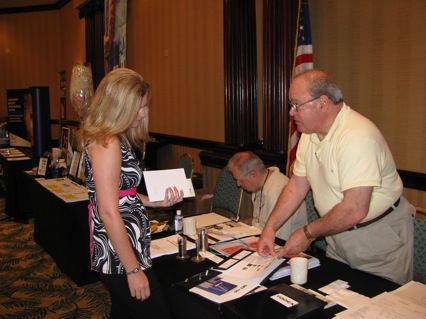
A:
[(32, 286)]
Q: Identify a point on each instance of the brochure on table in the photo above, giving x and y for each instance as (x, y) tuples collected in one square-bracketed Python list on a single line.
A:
[(236, 276), (167, 246), (13, 154), (231, 230), (227, 248), (65, 189)]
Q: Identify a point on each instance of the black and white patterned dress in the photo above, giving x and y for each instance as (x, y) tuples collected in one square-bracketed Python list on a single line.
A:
[(133, 213)]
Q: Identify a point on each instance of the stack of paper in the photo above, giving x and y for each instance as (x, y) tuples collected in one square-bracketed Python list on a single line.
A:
[(65, 189), (407, 301), (242, 273), (232, 229), (13, 154), (249, 265), (227, 248), (224, 288), (167, 246)]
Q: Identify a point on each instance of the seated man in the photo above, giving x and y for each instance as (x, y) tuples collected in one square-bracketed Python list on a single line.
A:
[(265, 184)]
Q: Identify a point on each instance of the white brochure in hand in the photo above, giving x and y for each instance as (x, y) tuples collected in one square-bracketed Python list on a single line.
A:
[(158, 181)]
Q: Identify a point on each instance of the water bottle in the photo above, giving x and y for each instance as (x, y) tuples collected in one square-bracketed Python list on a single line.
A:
[(178, 221)]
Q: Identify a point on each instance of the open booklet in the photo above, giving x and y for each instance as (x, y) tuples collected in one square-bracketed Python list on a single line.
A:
[(227, 248), (239, 274)]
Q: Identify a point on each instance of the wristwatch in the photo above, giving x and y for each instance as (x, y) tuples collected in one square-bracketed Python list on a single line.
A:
[(308, 235), (134, 271)]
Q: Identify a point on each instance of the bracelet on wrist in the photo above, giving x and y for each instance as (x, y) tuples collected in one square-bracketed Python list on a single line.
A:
[(308, 235), (134, 271)]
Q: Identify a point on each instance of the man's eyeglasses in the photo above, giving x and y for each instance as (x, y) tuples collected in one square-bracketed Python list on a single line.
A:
[(297, 106)]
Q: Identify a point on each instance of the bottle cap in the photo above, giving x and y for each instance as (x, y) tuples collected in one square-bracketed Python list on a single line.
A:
[(178, 212)]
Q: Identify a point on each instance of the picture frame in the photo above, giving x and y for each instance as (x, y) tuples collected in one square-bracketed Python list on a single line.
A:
[(75, 163), (42, 166)]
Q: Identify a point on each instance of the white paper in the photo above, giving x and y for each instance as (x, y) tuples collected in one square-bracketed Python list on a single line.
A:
[(347, 298), (385, 306), (65, 189), (158, 181), (413, 291), (167, 246), (18, 158), (285, 300), (232, 229), (209, 219), (255, 268), (223, 288)]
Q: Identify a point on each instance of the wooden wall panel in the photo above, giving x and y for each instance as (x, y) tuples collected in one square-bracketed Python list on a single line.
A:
[(376, 51), (34, 48), (177, 46), (30, 54)]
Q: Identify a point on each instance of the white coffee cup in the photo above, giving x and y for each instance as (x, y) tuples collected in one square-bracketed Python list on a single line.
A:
[(189, 226), (299, 270)]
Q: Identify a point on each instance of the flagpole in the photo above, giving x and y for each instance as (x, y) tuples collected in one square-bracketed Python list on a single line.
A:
[(292, 126), (303, 60)]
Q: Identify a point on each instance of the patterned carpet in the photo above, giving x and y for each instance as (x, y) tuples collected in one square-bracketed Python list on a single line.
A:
[(32, 286)]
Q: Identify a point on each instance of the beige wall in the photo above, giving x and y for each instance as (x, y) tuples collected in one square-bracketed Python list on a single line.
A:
[(29, 54), (376, 50), (34, 48), (177, 46)]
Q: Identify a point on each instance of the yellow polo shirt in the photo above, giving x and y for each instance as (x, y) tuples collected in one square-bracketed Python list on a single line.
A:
[(354, 153)]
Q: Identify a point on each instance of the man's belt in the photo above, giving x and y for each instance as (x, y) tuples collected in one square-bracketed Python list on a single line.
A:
[(375, 219)]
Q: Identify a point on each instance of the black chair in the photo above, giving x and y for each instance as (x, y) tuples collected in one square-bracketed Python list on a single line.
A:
[(186, 162), (227, 196), (419, 267)]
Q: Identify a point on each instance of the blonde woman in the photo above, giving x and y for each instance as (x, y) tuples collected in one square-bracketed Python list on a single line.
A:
[(117, 121)]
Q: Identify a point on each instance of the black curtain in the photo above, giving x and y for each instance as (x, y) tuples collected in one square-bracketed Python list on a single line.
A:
[(241, 90)]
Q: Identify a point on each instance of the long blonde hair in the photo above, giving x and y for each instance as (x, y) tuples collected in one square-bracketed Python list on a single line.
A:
[(114, 108)]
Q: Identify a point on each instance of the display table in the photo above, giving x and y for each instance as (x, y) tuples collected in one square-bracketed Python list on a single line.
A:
[(62, 230), (15, 192), (189, 305)]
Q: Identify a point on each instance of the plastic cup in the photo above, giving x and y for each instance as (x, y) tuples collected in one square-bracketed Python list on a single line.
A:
[(299, 270)]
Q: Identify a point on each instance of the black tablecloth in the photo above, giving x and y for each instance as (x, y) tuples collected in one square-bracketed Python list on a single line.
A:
[(188, 305), (62, 230), (16, 205)]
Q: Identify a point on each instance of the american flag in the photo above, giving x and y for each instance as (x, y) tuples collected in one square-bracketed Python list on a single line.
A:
[(303, 60)]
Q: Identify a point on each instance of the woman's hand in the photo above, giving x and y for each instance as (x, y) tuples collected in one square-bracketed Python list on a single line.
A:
[(172, 196), (139, 285)]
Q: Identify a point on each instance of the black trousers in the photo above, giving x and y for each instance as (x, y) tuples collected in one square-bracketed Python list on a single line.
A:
[(124, 306)]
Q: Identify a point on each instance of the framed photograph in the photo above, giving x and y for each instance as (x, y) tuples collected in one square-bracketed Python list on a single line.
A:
[(75, 163), (42, 166)]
